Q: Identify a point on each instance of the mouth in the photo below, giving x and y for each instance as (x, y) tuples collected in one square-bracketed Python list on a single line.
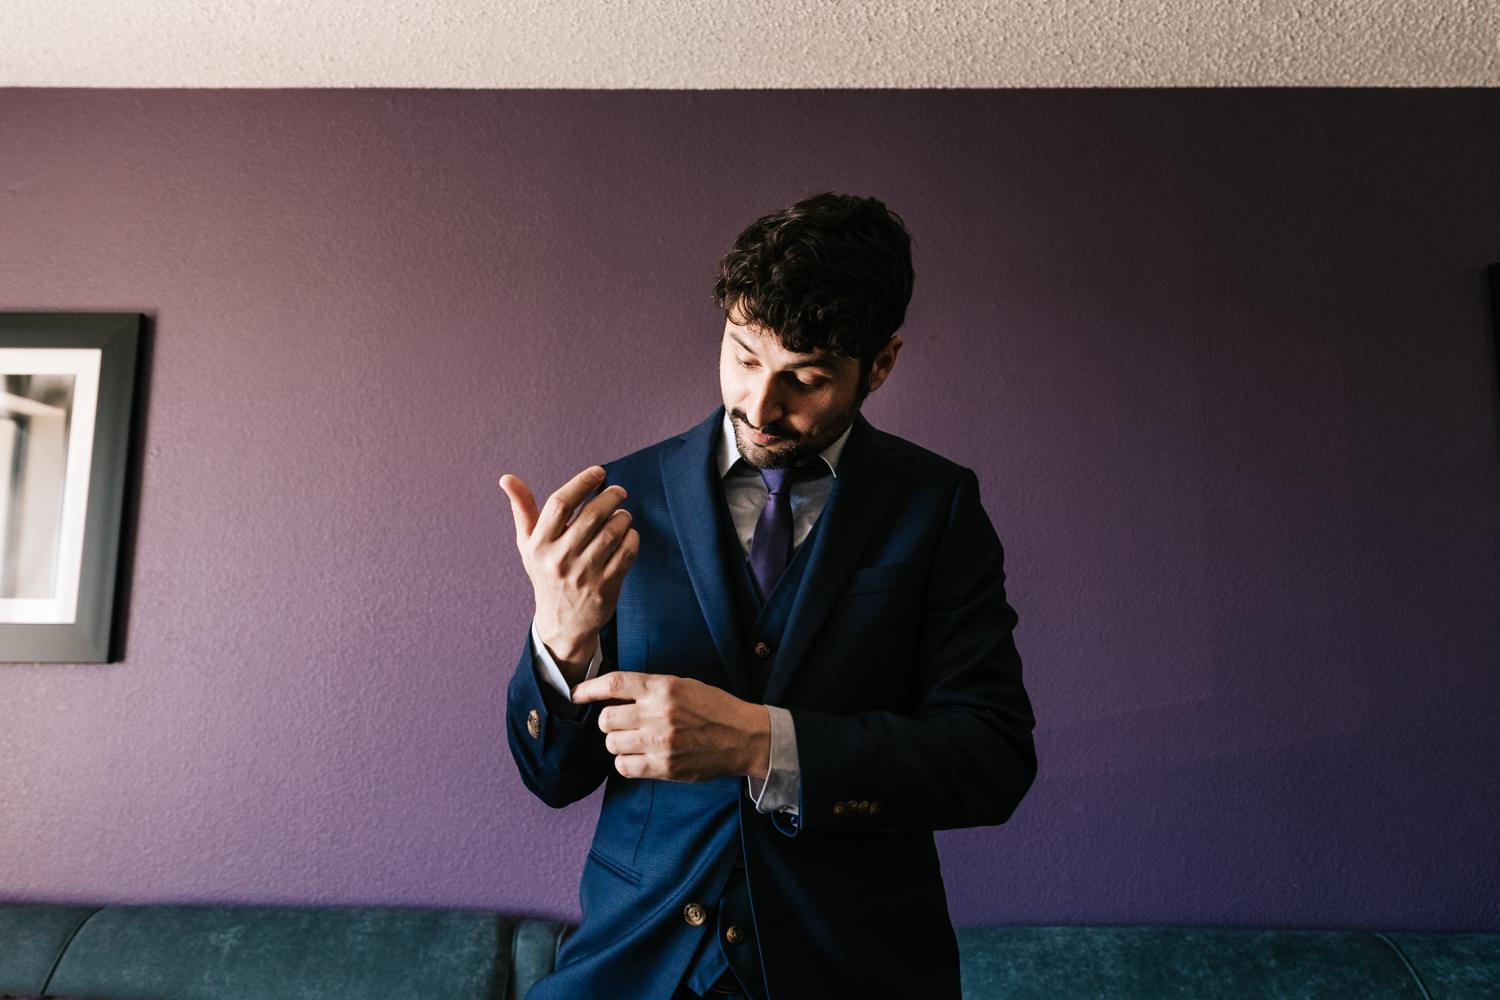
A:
[(756, 437)]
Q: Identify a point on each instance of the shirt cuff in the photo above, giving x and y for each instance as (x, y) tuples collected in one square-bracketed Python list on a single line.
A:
[(781, 790), (548, 670)]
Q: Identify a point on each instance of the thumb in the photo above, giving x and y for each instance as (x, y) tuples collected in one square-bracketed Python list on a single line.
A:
[(522, 505)]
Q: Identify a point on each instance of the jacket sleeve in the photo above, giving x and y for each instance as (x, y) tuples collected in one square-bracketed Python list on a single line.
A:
[(964, 756), (557, 746)]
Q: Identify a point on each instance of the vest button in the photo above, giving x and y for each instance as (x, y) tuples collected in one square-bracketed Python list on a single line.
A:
[(761, 649), (534, 724), (694, 914), (734, 935)]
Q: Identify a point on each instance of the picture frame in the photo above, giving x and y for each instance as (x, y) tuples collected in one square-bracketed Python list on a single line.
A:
[(67, 387)]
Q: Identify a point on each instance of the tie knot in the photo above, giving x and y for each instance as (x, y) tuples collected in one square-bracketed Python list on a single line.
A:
[(779, 480)]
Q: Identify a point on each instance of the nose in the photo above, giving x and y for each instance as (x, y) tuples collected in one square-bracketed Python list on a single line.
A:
[(763, 403)]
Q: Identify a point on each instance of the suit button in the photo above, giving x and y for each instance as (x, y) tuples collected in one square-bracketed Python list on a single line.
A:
[(839, 809), (534, 724), (694, 914), (761, 649), (734, 935)]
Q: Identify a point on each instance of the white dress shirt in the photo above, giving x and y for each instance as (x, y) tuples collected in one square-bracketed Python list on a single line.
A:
[(745, 494)]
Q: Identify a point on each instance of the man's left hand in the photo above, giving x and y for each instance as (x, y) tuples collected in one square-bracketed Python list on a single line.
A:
[(678, 728)]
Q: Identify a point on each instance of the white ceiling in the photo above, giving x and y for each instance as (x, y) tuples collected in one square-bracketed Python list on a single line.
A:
[(750, 43)]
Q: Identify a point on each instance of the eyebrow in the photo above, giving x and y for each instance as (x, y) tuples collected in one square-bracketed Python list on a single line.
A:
[(825, 363)]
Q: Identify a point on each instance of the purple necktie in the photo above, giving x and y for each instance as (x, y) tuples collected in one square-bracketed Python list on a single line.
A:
[(771, 545)]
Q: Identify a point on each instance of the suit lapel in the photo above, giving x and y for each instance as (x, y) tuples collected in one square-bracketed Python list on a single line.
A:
[(863, 490), (694, 502), (862, 493)]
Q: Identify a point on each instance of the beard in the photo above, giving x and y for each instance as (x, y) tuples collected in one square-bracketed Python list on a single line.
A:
[(788, 451)]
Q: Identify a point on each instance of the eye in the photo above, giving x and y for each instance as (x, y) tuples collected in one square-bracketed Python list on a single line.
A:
[(812, 386), (747, 363)]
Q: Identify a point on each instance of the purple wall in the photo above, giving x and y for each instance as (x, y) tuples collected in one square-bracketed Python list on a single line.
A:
[(1223, 360)]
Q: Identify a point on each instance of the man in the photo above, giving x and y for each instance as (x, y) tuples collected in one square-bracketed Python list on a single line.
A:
[(781, 641)]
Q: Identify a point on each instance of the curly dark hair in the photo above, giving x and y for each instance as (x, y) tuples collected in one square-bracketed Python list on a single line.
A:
[(832, 272)]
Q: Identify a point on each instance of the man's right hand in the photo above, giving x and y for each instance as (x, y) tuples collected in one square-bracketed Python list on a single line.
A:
[(576, 569)]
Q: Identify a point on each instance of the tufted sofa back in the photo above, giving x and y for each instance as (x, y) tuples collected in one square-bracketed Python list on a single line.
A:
[(165, 952)]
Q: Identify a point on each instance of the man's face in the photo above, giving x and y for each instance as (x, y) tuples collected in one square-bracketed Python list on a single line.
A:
[(787, 407)]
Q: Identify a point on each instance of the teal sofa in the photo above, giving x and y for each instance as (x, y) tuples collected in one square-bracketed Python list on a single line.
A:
[(313, 953)]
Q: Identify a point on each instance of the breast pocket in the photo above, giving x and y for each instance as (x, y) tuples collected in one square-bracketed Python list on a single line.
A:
[(886, 577)]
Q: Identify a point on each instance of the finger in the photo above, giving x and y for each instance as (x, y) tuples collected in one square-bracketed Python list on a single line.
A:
[(614, 717), (522, 505), (618, 684), (560, 505), (633, 765), (625, 741), (624, 556), (591, 518), (608, 538)]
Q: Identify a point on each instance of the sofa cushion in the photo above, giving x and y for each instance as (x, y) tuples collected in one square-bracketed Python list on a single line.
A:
[(1461, 966), (1154, 963), (301, 953), (32, 936)]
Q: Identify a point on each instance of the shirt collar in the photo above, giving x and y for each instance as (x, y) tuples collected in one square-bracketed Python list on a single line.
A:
[(729, 450)]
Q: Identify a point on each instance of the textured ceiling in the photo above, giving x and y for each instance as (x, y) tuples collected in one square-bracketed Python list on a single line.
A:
[(753, 43)]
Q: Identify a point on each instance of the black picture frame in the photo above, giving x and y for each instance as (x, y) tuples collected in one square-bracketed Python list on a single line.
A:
[(116, 337)]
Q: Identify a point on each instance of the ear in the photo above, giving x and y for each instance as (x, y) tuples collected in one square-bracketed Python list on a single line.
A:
[(880, 368)]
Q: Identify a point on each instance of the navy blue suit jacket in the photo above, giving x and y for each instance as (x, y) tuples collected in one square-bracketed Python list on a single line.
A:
[(904, 686)]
